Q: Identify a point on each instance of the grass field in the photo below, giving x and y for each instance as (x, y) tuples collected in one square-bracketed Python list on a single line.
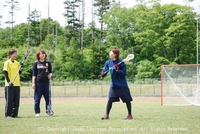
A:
[(83, 116)]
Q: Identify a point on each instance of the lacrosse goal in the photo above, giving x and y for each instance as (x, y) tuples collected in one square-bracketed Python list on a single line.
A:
[(180, 84)]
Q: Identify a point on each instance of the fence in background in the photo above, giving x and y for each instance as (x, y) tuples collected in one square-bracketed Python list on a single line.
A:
[(95, 88), (91, 82), (91, 91)]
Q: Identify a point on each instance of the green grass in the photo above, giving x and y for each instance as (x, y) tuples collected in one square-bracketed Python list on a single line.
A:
[(82, 116)]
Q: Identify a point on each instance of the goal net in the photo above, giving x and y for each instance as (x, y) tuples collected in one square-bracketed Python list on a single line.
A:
[(180, 84)]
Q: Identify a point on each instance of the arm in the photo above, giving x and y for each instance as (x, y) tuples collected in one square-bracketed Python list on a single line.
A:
[(20, 71), (105, 69), (50, 71), (33, 81), (21, 66), (122, 69), (34, 74), (6, 76), (50, 75)]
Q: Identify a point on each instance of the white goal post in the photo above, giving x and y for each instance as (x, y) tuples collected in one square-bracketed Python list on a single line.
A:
[(180, 84)]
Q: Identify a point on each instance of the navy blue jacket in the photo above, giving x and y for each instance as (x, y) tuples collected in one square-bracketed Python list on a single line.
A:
[(118, 77)]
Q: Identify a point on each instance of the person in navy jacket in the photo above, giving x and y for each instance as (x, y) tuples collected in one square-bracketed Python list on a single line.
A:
[(119, 87)]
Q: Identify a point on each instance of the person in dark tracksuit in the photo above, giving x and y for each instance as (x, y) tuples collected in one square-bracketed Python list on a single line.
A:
[(119, 88), (42, 73), (12, 70)]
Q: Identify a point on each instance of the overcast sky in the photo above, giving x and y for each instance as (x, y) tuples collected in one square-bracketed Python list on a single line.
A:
[(56, 9)]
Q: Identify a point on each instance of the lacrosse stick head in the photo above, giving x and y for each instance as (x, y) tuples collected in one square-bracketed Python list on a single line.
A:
[(128, 58), (49, 111)]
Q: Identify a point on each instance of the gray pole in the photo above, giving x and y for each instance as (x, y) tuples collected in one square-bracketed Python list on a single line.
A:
[(28, 24), (48, 32), (13, 6), (197, 42), (56, 43), (40, 28), (132, 51), (197, 57)]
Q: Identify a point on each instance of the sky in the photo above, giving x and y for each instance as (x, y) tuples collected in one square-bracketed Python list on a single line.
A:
[(56, 9)]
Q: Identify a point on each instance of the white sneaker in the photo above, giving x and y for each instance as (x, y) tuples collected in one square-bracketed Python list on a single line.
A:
[(8, 117), (37, 115)]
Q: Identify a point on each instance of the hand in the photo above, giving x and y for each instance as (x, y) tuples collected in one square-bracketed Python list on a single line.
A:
[(33, 86), (116, 67), (49, 76), (10, 84), (103, 74)]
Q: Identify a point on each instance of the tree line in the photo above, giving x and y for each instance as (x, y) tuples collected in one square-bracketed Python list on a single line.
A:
[(156, 34)]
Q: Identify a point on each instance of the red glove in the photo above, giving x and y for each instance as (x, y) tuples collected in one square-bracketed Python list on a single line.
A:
[(116, 67), (103, 74)]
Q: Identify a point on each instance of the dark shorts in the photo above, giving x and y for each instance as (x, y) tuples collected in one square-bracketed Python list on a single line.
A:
[(117, 94)]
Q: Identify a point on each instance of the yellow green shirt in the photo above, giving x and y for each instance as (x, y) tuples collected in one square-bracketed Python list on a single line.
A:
[(12, 69)]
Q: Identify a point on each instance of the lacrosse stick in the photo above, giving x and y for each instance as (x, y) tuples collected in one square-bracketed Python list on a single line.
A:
[(49, 107), (26, 56), (128, 58)]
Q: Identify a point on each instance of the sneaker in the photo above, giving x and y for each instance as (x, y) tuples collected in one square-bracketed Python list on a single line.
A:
[(37, 115), (15, 117), (105, 117), (129, 117), (8, 117), (49, 114)]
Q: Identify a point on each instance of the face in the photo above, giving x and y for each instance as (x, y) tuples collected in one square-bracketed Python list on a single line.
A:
[(42, 56), (112, 55), (13, 56)]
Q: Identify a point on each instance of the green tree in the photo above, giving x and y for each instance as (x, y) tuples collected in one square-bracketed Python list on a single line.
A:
[(34, 28), (5, 38), (180, 35), (145, 69), (3, 58), (21, 35), (120, 26), (94, 60), (72, 68), (102, 7), (73, 23)]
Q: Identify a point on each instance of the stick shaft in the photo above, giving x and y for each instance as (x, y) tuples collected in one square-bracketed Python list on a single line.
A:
[(124, 60), (27, 54)]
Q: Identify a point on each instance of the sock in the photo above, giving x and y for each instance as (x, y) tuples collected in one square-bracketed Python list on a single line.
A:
[(108, 107), (128, 105)]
